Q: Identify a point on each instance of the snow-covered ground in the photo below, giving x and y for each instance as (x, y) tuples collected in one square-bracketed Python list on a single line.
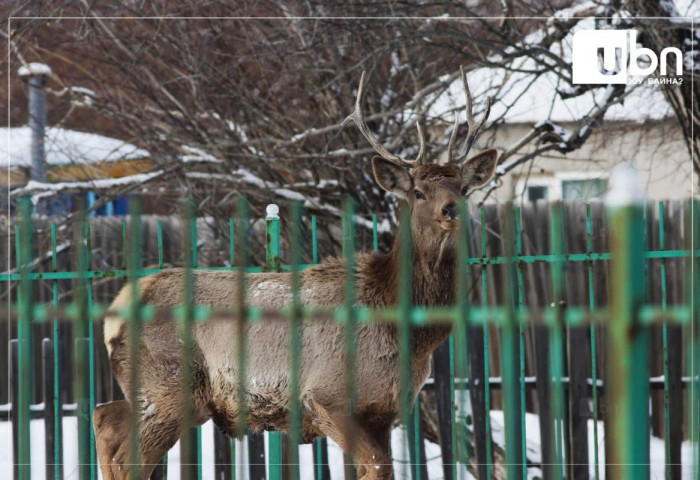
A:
[(335, 455)]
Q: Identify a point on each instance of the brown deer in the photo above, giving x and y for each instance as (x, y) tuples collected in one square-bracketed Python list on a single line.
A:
[(432, 192)]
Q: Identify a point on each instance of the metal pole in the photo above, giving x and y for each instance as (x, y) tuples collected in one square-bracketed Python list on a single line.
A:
[(36, 76)]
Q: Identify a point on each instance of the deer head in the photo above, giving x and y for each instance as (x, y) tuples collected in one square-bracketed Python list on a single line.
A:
[(431, 190)]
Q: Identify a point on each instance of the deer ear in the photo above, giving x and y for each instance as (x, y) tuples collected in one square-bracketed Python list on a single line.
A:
[(391, 177), (479, 169)]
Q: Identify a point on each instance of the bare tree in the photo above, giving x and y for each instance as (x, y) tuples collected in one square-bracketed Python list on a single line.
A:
[(231, 107)]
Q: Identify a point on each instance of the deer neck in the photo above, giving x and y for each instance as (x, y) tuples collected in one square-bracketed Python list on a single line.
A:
[(432, 284), (433, 268)]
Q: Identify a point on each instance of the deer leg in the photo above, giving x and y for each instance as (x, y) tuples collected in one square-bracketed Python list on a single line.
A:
[(111, 422), (113, 437), (357, 440)]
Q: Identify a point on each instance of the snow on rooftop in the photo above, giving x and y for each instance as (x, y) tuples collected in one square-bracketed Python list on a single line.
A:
[(64, 147), (34, 68), (522, 96)]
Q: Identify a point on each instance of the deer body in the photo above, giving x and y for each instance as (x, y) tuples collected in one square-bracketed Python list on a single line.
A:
[(432, 192)]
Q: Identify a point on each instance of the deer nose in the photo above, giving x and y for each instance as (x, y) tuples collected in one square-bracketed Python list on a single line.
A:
[(450, 211)]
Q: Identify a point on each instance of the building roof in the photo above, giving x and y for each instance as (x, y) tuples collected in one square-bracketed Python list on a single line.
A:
[(524, 95), (65, 147)]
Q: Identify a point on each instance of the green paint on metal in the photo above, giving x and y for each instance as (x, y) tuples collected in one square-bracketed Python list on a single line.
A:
[(188, 442), (594, 353), (404, 306), (487, 356), (272, 264), (160, 244), (515, 463), (667, 403), (628, 348), (58, 422), (134, 322), (556, 343), (295, 329), (24, 340), (232, 241), (375, 233), (521, 336), (460, 356)]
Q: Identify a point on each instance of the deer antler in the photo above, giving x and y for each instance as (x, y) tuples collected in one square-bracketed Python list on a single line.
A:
[(472, 126), (359, 119)]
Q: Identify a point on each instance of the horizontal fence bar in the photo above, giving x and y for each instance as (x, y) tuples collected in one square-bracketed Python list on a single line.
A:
[(419, 316), (548, 258)]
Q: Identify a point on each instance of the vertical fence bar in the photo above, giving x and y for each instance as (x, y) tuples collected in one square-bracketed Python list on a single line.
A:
[(521, 332), (134, 338), (510, 338), (188, 443), (628, 370), (667, 400), (256, 444), (14, 402), (404, 327), (314, 240), (556, 342), (693, 337), (24, 339), (272, 264), (350, 325), (160, 244), (57, 455), (82, 350), (91, 350), (49, 386), (295, 340), (487, 361), (459, 339), (232, 241), (375, 233), (594, 349)]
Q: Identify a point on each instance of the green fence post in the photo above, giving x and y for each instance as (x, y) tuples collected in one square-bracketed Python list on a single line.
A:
[(594, 352), (58, 413), (242, 260), (628, 369), (459, 346), (487, 359), (515, 463), (556, 341), (295, 340), (350, 322), (82, 348), (189, 445), (692, 333), (24, 342), (272, 264), (405, 286)]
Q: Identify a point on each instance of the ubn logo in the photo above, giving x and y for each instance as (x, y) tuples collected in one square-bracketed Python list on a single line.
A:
[(611, 66)]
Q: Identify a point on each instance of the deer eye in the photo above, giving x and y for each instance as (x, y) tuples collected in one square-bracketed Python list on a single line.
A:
[(418, 194)]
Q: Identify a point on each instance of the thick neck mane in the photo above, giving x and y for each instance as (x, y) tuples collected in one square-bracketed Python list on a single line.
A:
[(432, 285)]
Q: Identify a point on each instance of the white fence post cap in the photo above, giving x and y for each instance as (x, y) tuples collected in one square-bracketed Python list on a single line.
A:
[(625, 186), (272, 211)]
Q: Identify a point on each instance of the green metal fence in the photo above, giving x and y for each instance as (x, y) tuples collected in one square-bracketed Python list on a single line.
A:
[(628, 321)]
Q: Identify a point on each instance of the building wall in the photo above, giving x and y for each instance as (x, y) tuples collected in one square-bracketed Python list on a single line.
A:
[(656, 149)]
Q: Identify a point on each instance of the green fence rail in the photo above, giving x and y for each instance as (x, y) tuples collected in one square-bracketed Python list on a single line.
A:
[(628, 322)]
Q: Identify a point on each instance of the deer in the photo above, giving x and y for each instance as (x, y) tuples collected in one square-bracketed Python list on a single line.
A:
[(431, 192)]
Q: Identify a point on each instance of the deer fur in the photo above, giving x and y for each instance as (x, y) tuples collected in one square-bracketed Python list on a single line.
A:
[(432, 191)]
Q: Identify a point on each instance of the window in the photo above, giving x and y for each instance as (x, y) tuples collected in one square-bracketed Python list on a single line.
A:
[(561, 186), (583, 189)]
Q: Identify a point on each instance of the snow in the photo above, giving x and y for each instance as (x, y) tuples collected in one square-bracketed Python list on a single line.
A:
[(34, 68), (70, 454), (520, 97), (335, 454), (65, 147)]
